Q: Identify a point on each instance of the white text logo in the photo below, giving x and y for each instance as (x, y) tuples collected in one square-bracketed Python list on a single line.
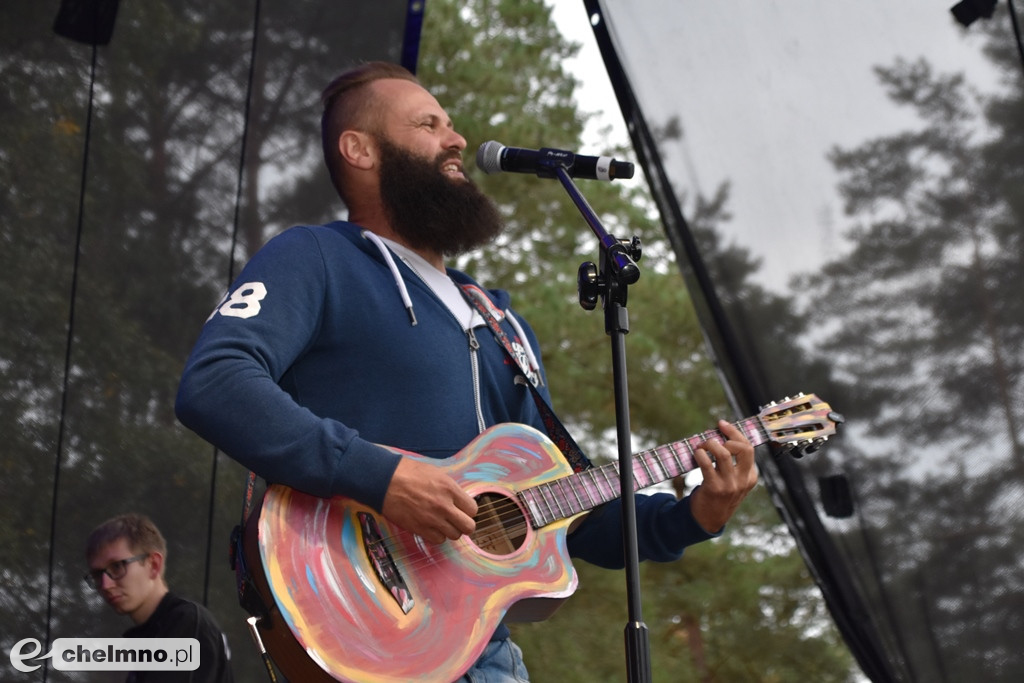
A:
[(110, 654), (244, 302)]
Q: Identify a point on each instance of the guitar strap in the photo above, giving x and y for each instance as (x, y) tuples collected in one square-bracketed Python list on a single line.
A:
[(248, 597), (517, 353)]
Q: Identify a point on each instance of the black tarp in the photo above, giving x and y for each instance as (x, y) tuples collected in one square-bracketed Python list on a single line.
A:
[(843, 186), (126, 192)]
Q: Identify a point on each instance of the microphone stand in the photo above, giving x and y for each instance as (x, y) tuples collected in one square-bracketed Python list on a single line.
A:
[(610, 283)]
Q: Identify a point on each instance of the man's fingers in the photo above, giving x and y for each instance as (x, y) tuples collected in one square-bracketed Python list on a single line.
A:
[(704, 461), (425, 500), (463, 501), (718, 456), (461, 523)]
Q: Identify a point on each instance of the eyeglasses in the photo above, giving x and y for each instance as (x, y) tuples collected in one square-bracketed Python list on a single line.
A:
[(115, 570)]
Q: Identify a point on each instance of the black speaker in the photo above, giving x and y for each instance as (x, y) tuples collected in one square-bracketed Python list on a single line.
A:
[(86, 21), (967, 11), (835, 496)]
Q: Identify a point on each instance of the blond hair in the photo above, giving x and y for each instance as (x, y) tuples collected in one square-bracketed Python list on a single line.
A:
[(138, 530)]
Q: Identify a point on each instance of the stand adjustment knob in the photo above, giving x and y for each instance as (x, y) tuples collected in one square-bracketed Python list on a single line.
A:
[(588, 284)]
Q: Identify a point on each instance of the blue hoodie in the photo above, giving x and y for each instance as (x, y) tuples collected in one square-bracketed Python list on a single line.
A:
[(312, 360)]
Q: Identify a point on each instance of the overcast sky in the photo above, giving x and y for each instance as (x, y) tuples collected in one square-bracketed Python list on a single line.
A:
[(763, 89)]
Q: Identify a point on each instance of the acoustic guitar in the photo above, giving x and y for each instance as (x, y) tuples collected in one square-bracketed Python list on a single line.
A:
[(354, 598)]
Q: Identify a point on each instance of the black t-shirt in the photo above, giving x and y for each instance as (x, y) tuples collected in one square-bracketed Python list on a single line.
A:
[(176, 617)]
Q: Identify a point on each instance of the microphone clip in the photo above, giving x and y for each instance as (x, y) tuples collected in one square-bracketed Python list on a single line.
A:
[(548, 160)]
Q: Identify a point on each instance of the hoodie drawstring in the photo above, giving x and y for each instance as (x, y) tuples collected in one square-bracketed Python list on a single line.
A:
[(399, 282)]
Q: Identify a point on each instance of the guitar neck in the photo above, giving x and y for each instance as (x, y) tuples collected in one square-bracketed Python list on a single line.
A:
[(576, 493)]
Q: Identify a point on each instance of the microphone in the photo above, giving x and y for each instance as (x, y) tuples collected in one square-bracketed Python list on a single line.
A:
[(494, 157)]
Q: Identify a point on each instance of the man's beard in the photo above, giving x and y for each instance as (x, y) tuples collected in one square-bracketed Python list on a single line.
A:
[(429, 210)]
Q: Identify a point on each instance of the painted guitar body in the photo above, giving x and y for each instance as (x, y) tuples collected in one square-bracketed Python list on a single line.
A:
[(454, 594)]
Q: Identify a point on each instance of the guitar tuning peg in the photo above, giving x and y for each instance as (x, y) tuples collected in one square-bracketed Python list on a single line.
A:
[(807, 449)]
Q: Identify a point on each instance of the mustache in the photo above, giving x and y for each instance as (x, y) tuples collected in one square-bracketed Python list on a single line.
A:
[(452, 155)]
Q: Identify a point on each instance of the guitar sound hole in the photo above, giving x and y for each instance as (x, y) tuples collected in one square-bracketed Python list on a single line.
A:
[(500, 524)]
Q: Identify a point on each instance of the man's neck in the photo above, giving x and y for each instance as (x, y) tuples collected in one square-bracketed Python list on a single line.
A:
[(381, 227), (146, 609)]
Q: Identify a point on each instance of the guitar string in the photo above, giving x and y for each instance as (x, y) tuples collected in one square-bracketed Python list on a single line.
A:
[(507, 506), (512, 520)]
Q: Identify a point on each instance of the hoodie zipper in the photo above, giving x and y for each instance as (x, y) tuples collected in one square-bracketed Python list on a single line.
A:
[(474, 345), (474, 363)]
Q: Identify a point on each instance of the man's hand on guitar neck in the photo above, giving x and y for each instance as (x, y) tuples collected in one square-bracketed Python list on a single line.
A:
[(729, 475), (424, 499)]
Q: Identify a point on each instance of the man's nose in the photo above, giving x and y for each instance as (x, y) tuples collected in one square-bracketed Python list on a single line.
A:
[(455, 141)]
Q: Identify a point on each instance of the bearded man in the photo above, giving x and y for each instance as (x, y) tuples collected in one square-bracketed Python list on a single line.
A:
[(343, 349)]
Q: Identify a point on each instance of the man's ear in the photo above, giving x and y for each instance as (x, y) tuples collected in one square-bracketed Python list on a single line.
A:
[(156, 564), (358, 149)]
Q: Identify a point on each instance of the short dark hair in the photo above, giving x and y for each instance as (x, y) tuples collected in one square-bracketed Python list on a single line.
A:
[(345, 107), (138, 530)]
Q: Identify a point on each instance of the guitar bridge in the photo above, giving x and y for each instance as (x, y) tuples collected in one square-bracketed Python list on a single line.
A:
[(383, 564)]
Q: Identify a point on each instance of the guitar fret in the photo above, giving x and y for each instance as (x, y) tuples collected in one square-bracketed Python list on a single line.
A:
[(549, 489), (548, 498), (560, 486), (551, 501), (754, 432), (580, 507), (641, 482), (530, 504), (665, 468), (543, 509), (674, 461), (610, 483), (556, 498), (656, 464), (591, 488), (684, 465), (682, 459)]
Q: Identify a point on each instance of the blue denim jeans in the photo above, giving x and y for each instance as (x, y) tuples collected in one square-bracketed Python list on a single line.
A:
[(501, 662)]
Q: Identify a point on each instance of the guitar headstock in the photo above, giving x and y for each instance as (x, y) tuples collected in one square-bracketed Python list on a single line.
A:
[(800, 424)]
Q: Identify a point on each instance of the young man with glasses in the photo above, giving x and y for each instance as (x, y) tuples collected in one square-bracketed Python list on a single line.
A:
[(126, 557)]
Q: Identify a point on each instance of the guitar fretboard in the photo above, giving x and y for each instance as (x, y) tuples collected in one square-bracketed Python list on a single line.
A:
[(576, 493)]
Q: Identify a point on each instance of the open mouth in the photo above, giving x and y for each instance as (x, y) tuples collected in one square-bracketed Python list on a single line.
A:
[(453, 169)]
